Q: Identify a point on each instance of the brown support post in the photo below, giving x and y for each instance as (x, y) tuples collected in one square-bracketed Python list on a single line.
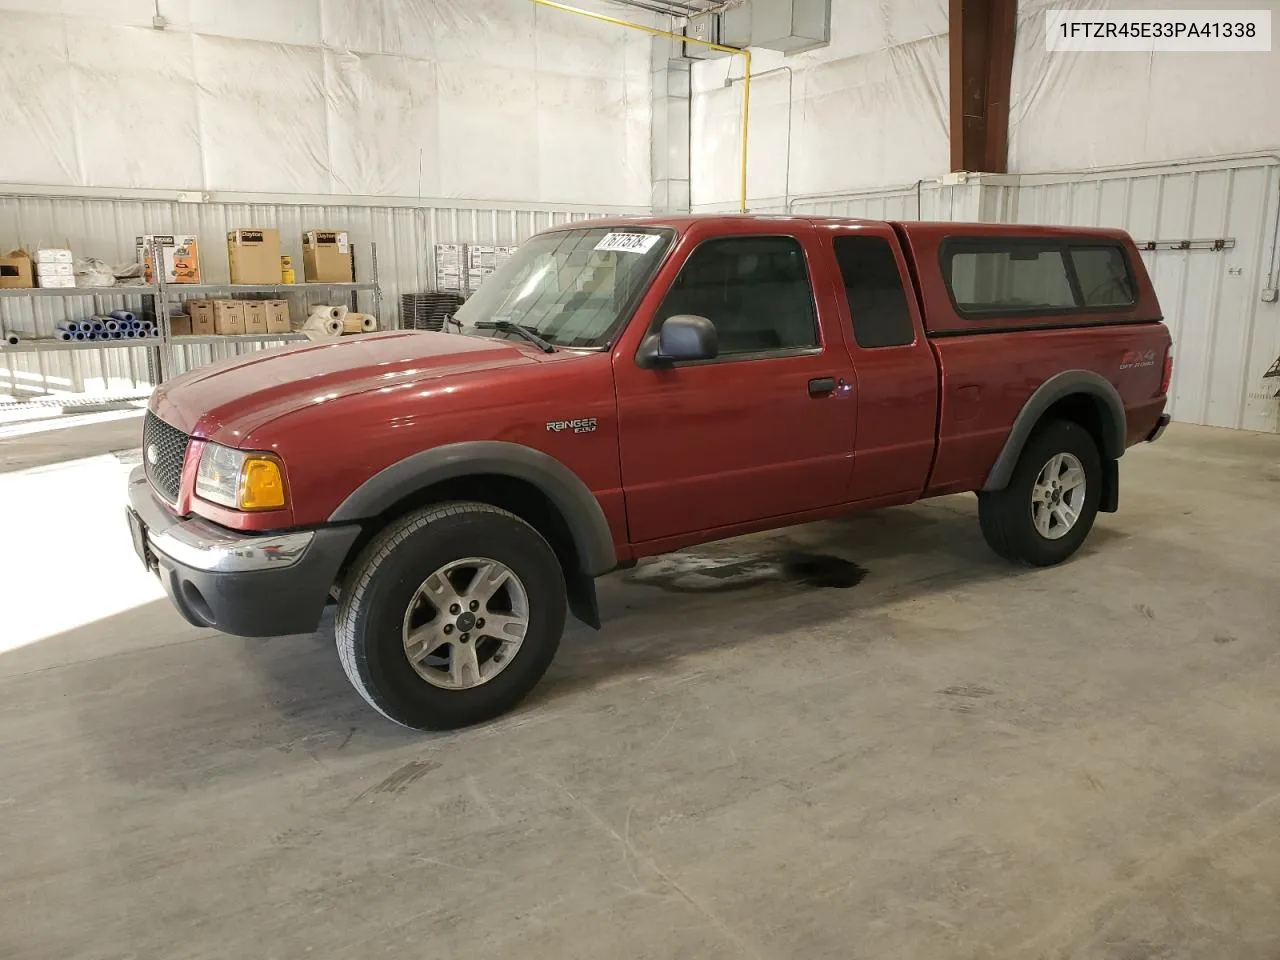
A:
[(981, 37)]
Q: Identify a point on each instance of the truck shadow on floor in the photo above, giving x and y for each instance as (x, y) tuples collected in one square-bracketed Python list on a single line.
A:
[(753, 589), (207, 707)]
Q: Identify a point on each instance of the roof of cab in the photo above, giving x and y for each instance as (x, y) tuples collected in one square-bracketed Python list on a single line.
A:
[(919, 228)]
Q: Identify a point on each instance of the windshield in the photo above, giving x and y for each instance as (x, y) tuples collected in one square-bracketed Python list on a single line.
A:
[(571, 288)]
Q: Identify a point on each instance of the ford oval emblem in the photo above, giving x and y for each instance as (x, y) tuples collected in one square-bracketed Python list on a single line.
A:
[(153, 454)]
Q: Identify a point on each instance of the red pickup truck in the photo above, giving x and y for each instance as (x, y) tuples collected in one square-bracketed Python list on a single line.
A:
[(625, 388)]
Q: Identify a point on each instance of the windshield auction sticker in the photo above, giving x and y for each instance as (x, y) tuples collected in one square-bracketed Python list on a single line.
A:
[(628, 242)]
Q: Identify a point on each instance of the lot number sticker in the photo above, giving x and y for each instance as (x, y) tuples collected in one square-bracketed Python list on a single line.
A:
[(628, 242)]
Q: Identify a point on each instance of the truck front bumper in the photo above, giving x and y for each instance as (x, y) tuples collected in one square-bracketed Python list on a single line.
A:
[(248, 585)]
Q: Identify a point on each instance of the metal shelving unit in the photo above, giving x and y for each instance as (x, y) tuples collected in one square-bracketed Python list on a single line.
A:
[(153, 345), (168, 293), (182, 341), (43, 343), (163, 295), (122, 290), (267, 287)]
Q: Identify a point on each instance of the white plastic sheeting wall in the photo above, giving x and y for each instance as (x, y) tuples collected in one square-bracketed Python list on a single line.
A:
[(492, 100), (405, 238), (869, 109), (1074, 111)]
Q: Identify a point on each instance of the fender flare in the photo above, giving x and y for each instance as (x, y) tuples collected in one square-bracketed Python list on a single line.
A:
[(577, 504), (1056, 388)]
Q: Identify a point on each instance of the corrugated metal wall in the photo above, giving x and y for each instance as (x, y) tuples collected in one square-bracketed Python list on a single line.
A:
[(106, 229), (1225, 336), (926, 201)]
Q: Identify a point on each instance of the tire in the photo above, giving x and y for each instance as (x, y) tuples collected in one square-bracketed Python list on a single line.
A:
[(1008, 516), (388, 592)]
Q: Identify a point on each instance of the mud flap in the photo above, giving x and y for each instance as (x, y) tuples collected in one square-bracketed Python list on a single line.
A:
[(582, 597), (1110, 501)]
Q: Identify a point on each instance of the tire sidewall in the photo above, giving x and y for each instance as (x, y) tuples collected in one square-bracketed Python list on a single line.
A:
[(378, 624), (1058, 437)]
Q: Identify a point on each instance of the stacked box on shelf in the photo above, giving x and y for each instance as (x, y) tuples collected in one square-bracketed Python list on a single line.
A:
[(451, 276), (54, 268), (277, 316), (462, 267), (482, 261), (326, 257), (255, 317), (175, 257), (197, 320), (15, 270), (253, 255), (231, 318)]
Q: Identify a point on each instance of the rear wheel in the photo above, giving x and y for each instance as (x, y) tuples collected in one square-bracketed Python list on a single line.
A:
[(453, 615), (1048, 508)]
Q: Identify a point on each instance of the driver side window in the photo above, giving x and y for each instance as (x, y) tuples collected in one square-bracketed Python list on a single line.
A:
[(754, 290)]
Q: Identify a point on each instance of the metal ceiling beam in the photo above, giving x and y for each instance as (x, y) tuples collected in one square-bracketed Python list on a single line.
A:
[(981, 38)]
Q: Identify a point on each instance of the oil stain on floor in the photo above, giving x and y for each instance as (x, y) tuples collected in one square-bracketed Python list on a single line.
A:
[(704, 573)]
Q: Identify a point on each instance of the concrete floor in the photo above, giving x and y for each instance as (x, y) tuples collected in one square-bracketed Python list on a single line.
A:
[(952, 758)]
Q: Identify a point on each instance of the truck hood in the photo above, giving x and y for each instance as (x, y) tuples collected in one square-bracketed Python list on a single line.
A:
[(227, 401)]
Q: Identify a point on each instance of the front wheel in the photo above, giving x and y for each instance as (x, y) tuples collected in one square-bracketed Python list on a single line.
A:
[(452, 615), (1048, 508)]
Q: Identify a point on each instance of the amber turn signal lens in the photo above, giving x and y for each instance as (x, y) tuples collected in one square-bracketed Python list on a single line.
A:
[(261, 484)]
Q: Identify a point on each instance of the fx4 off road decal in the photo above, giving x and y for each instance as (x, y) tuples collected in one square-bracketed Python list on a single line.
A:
[(584, 425), (1133, 359)]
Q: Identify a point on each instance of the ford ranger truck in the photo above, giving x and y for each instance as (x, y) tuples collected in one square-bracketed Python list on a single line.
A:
[(625, 388)]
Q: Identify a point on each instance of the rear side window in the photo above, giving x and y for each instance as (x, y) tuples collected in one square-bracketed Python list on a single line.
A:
[(1021, 277), (1104, 276), (873, 287)]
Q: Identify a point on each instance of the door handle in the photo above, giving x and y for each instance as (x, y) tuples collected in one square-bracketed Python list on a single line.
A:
[(821, 386)]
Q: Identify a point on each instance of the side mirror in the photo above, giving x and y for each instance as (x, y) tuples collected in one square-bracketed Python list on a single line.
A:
[(682, 337)]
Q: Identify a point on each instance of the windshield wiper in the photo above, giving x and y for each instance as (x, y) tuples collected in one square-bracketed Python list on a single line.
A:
[(451, 318), (506, 326)]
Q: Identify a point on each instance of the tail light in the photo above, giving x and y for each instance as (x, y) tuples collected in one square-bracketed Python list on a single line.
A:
[(1168, 373)]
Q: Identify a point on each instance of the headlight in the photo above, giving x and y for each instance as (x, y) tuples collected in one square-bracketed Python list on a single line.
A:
[(242, 481)]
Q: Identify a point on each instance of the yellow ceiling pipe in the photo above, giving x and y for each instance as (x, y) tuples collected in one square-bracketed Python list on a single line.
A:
[(654, 31)]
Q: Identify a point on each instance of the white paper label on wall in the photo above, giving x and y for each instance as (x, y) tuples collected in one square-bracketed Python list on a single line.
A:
[(628, 242)]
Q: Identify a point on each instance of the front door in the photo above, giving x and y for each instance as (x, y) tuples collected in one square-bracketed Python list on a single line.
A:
[(763, 430)]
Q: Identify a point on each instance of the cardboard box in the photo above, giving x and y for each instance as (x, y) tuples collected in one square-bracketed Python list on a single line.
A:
[(326, 257), (184, 265), (53, 256), (180, 325), (177, 256), (59, 282), (15, 270), (254, 255), (255, 316), (201, 312), (228, 317), (277, 316), (44, 270)]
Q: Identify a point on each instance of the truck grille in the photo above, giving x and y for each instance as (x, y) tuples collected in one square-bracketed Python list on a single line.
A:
[(164, 448)]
